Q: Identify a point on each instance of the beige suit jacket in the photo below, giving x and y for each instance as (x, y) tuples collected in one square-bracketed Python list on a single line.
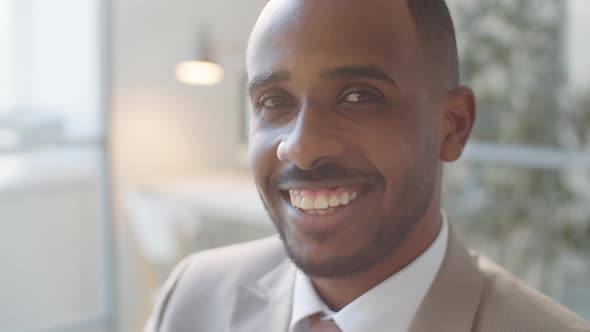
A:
[(249, 287)]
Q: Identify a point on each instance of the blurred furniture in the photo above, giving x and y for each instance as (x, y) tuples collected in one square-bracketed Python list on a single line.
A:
[(162, 230), (53, 240), (230, 196), (176, 216)]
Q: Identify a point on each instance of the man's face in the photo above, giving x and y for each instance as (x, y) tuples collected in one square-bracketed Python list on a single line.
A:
[(344, 132)]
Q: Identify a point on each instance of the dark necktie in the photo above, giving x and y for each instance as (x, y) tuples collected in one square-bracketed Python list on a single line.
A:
[(318, 325)]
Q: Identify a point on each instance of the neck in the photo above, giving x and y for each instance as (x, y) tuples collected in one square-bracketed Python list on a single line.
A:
[(338, 293)]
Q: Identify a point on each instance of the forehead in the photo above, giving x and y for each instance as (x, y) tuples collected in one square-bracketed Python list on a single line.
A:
[(306, 33)]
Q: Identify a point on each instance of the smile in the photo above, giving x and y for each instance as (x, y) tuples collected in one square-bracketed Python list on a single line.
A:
[(323, 201), (328, 208)]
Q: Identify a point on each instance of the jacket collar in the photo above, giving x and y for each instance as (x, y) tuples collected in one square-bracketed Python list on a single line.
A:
[(266, 304), (451, 303), (449, 306)]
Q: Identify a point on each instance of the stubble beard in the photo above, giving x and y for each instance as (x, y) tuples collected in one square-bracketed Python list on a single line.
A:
[(411, 203)]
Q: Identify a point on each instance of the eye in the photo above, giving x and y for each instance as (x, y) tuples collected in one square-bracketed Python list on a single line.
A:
[(273, 101), (360, 97)]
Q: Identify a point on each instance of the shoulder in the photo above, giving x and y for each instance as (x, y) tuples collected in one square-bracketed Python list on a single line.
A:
[(207, 280), (240, 262), (508, 304)]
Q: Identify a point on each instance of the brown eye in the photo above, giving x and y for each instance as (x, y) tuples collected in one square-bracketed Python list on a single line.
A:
[(360, 97), (275, 101)]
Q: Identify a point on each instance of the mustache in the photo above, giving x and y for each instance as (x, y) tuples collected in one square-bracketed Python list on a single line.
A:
[(325, 172)]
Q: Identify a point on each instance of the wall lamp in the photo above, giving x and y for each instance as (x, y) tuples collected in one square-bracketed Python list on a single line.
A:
[(202, 69)]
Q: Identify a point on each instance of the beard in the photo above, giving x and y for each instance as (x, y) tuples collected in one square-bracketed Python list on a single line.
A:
[(410, 203)]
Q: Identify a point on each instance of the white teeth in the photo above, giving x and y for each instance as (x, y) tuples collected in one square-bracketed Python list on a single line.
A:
[(321, 212), (320, 202), (297, 202), (307, 203), (334, 201), (344, 199)]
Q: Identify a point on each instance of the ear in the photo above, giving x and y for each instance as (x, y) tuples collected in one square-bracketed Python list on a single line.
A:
[(458, 115)]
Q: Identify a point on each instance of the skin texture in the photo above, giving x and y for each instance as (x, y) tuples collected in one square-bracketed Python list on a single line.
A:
[(342, 95)]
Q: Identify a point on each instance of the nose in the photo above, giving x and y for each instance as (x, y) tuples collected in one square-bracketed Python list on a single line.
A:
[(314, 139)]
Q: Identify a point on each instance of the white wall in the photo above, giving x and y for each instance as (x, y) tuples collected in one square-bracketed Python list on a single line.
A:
[(161, 127), (8, 57)]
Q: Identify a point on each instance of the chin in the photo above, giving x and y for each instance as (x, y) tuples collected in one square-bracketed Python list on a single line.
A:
[(323, 260)]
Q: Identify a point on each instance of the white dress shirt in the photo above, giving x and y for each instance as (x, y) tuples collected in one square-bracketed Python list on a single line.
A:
[(389, 306)]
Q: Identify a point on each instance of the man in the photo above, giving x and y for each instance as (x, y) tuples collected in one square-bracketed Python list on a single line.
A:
[(356, 105)]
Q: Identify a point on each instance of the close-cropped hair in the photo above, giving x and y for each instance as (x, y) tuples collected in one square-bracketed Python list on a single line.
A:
[(436, 32)]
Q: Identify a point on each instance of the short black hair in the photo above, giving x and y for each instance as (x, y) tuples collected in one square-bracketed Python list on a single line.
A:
[(437, 33)]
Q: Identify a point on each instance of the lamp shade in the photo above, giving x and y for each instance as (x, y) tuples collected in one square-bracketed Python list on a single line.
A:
[(202, 70), (199, 72)]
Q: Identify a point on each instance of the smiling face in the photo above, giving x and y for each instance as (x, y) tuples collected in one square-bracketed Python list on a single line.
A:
[(346, 135)]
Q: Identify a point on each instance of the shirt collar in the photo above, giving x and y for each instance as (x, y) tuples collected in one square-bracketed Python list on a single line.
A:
[(306, 302), (392, 303)]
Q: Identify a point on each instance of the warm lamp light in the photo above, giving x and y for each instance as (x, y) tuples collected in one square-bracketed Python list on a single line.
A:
[(202, 70), (199, 72)]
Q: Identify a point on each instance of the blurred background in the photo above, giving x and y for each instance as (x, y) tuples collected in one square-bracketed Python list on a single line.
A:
[(120, 152)]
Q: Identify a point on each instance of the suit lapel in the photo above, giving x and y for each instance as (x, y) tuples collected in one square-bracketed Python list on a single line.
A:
[(449, 306), (265, 305), (453, 299)]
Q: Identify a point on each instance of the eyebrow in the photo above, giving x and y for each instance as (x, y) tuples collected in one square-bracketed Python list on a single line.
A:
[(266, 79), (335, 73), (357, 72)]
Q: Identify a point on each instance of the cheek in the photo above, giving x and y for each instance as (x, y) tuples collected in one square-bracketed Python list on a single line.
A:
[(393, 164), (391, 142), (395, 151), (410, 162), (262, 149)]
